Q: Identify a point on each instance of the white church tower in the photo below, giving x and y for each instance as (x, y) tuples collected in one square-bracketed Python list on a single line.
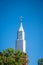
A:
[(21, 42)]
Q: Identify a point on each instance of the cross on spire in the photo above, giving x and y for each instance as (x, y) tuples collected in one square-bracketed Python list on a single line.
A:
[(21, 18)]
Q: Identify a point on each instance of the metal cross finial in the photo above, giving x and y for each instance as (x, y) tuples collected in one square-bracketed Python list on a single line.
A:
[(21, 18)]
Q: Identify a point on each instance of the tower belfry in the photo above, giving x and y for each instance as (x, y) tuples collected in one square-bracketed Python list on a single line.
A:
[(21, 42)]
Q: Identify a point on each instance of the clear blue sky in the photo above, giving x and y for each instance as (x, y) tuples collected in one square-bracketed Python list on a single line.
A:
[(32, 11)]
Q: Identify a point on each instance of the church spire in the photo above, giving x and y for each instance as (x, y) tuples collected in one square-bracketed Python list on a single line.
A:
[(21, 42), (21, 27)]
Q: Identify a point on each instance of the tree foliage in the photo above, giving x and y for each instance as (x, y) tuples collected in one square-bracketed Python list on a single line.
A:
[(11, 57), (40, 61)]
